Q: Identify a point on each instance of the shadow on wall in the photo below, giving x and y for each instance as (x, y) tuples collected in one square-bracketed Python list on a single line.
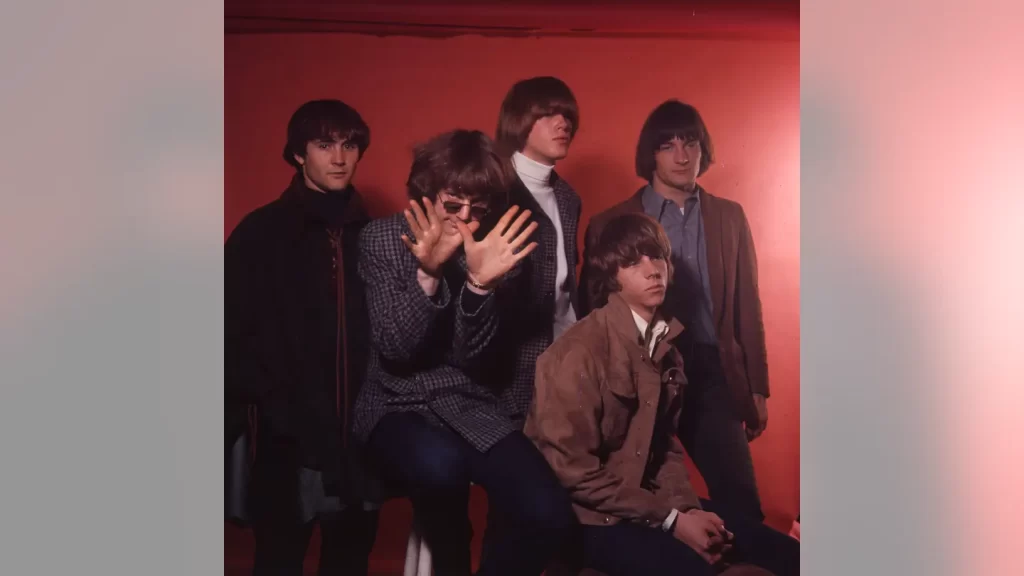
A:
[(600, 182)]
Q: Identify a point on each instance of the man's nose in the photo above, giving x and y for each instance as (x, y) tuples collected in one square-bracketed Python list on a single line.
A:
[(648, 268), (681, 157)]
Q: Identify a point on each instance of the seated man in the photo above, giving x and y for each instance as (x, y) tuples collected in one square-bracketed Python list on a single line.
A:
[(429, 412), (607, 404)]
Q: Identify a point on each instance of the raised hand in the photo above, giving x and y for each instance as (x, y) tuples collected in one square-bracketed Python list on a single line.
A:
[(432, 247), (491, 258)]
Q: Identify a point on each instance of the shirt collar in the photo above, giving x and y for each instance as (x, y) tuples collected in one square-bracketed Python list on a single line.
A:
[(654, 203), (660, 329)]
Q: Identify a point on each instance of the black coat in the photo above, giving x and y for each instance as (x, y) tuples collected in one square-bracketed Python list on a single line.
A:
[(288, 351)]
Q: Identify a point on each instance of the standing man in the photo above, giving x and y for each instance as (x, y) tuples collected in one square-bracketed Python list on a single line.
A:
[(295, 349), (714, 294), (537, 122)]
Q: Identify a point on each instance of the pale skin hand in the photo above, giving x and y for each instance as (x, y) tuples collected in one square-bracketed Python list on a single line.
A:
[(491, 258), (761, 403), (432, 247), (705, 533)]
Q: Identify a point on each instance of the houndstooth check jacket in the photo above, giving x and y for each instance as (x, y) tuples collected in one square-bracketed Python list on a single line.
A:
[(424, 352), (473, 372), (528, 301)]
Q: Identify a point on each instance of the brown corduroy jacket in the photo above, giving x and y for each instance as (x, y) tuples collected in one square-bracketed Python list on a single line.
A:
[(604, 415)]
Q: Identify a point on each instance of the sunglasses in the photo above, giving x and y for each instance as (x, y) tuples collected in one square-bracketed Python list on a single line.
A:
[(475, 212)]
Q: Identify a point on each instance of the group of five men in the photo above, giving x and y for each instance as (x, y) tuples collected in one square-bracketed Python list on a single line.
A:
[(451, 344)]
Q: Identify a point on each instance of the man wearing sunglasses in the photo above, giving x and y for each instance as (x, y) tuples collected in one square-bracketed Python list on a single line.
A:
[(429, 411)]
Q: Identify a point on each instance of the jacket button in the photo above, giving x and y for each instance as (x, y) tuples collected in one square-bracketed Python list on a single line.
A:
[(637, 452), (607, 519), (648, 402)]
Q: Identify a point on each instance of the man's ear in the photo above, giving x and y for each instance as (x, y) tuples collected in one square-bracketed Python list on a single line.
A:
[(300, 159)]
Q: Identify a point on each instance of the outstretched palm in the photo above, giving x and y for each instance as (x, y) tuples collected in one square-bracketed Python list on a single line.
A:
[(491, 258), (432, 247)]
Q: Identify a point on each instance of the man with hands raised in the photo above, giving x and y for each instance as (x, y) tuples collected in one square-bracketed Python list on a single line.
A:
[(429, 414)]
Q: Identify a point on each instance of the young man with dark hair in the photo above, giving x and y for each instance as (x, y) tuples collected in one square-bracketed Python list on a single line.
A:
[(430, 411), (609, 396), (714, 294), (294, 349)]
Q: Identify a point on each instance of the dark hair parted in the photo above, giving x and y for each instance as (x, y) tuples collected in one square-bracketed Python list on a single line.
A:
[(528, 101), (672, 119), (327, 120), (464, 162), (622, 242)]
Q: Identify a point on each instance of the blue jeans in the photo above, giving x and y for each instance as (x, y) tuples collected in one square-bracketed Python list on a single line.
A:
[(434, 466)]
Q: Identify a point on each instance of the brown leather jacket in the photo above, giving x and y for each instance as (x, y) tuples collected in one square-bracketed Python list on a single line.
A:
[(604, 416), (736, 302)]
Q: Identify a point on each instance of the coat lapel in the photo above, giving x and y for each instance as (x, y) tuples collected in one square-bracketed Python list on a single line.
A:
[(713, 235)]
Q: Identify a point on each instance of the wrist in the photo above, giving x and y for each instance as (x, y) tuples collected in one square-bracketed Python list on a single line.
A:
[(424, 274), (428, 283), (477, 286)]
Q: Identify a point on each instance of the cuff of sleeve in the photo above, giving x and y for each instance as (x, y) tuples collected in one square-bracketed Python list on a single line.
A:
[(470, 302), (670, 520)]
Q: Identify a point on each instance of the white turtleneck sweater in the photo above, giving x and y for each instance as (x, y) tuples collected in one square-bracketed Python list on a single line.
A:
[(537, 178)]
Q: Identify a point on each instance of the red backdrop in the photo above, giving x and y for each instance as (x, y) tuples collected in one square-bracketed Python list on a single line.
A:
[(409, 88)]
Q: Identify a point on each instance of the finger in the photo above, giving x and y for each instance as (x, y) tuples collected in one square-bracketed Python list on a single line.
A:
[(711, 527), (408, 243), (421, 218), (505, 219), (432, 216), (518, 241), (523, 217), (473, 226), (715, 518), (467, 234), (524, 252), (414, 227)]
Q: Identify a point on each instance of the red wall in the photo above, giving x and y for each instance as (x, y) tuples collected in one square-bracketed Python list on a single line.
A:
[(410, 88)]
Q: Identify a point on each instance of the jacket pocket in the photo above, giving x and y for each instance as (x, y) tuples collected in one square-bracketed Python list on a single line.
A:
[(620, 404)]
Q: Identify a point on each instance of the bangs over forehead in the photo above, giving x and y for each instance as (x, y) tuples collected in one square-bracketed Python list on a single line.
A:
[(463, 162), (324, 121), (672, 119), (623, 241)]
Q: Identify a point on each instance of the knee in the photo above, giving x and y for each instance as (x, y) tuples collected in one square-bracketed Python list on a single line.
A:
[(547, 514), (419, 457), (443, 475)]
